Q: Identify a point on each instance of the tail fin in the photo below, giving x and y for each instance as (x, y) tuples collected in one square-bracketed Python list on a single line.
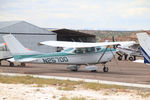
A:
[(144, 41), (14, 45)]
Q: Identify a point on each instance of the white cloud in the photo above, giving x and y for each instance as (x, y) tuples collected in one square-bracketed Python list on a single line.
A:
[(79, 13)]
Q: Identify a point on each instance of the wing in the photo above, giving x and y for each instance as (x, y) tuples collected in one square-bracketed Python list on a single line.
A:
[(81, 44)]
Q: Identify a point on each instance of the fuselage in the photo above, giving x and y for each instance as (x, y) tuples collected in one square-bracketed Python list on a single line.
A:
[(74, 56)]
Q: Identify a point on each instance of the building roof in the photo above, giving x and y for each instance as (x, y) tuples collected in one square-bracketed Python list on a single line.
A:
[(68, 32), (21, 27)]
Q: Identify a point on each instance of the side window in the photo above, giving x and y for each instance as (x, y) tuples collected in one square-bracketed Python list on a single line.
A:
[(98, 49), (92, 49), (80, 51)]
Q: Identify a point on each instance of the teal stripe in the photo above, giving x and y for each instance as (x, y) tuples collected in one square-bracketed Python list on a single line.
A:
[(17, 57)]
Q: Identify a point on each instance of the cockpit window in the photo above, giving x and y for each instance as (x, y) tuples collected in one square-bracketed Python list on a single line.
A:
[(84, 50), (79, 51), (92, 49), (98, 48)]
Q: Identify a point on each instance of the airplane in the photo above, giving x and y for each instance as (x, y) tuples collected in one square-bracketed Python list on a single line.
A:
[(4, 53), (144, 41), (131, 50), (76, 54)]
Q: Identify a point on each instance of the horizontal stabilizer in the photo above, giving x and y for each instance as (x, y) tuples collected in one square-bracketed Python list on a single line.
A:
[(22, 60)]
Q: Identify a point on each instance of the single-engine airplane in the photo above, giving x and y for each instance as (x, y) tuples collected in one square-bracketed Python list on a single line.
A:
[(76, 54), (132, 50)]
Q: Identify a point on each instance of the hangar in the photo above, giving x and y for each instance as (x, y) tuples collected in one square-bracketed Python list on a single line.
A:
[(28, 34), (73, 35)]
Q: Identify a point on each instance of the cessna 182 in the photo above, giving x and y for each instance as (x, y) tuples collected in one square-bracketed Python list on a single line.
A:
[(76, 54)]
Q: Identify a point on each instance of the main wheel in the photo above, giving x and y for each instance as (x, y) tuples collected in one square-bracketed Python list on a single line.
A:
[(120, 58), (105, 69), (75, 70), (23, 64), (131, 58), (93, 70), (11, 64)]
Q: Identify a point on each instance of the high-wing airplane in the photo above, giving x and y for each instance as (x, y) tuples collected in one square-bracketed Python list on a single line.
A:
[(131, 50), (75, 55), (144, 41)]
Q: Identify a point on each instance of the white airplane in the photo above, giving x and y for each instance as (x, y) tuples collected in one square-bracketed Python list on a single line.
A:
[(4, 53), (131, 50), (144, 41), (77, 53)]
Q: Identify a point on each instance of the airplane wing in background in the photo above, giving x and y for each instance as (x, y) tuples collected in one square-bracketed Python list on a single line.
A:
[(81, 44)]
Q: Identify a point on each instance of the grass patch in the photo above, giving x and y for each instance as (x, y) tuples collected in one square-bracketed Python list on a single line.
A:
[(78, 98), (66, 88), (54, 97), (73, 98), (63, 98), (97, 86), (62, 84), (143, 94), (37, 90)]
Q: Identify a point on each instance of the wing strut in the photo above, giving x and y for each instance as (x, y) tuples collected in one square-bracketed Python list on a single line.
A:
[(103, 54)]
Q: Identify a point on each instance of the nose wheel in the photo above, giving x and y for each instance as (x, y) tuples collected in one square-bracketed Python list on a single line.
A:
[(105, 69)]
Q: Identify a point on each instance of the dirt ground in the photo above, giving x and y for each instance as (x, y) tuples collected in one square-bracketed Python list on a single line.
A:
[(120, 71), (32, 92)]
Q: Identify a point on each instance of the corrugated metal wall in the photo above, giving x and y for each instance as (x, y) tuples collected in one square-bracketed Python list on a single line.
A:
[(28, 34), (31, 41)]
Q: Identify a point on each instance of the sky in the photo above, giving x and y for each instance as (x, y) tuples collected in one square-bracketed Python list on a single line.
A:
[(79, 14)]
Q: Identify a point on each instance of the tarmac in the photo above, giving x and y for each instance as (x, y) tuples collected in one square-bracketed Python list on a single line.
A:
[(119, 71)]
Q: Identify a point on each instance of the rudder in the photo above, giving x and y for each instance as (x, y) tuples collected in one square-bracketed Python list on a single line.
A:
[(144, 41)]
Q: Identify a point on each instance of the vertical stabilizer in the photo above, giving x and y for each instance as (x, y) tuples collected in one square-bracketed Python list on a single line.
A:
[(14, 45), (144, 41)]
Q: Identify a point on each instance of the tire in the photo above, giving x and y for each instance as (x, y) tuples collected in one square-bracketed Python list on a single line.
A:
[(120, 58), (131, 58), (23, 64), (74, 70), (105, 69), (134, 58), (11, 64), (93, 70)]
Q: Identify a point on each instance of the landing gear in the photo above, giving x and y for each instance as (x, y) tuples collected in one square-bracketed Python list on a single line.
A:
[(105, 69), (93, 70), (23, 64), (73, 67), (75, 70), (11, 64), (120, 57), (132, 58)]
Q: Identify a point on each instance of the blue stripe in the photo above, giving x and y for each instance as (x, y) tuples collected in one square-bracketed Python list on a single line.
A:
[(145, 60)]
